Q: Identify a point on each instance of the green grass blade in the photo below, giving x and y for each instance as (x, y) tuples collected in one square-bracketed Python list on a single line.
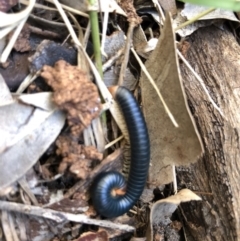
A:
[(225, 4)]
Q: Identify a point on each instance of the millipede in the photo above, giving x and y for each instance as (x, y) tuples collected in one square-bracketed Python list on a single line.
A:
[(111, 195)]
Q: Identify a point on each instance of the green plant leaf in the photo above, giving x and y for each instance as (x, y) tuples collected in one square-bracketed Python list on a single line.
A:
[(225, 4)]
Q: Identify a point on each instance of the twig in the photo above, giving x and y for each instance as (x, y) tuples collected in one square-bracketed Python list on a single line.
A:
[(160, 11), (99, 132), (12, 41), (174, 179), (12, 226), (61, 216), (132, 25), (5, 31), (8, 19), (113, 142), (104, 26), (86, 36), (44, 33), (112, 60), (6, 226), (72, 10), (194, 19), (26, 82), (24, 185)]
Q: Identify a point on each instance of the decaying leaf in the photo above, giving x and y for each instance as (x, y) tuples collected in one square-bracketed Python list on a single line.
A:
[(190, 11), (41, 100), (91, 236), (17, 160), (169, 6), (162, 210), (26, 133), (169, 145), (17, 121), (142, 46)]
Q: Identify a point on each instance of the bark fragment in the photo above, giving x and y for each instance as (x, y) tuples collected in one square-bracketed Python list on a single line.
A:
[(214, 54)]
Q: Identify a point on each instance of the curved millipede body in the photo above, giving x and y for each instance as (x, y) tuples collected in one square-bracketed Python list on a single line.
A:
[(106, 201)]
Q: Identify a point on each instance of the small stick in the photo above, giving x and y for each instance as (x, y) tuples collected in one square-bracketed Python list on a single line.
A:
[(13, 228), (194, 19), (61, 216), (126, 53), (112, 60), (6, 226), (113, 142)]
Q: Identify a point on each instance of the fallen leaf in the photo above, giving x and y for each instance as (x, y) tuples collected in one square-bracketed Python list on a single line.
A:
[(169, 6), (141, 45), (190, 11), (169, 145), (19, 158), (17, 121), (26, 132), (41, 100), (91, 236)]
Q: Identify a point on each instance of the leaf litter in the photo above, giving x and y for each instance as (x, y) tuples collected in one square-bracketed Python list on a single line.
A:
[(55, 139)]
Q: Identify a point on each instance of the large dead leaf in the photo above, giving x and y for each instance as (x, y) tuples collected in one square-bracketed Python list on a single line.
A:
[(18, 159), (26, 132), (169, 145)]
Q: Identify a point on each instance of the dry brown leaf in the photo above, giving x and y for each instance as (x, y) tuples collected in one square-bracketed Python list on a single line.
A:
[(101, 235), (141, 45), (162, 210), (169, 6), (169, 145)]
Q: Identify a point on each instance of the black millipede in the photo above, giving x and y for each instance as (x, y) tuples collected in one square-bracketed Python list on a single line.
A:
[(111, 195)]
